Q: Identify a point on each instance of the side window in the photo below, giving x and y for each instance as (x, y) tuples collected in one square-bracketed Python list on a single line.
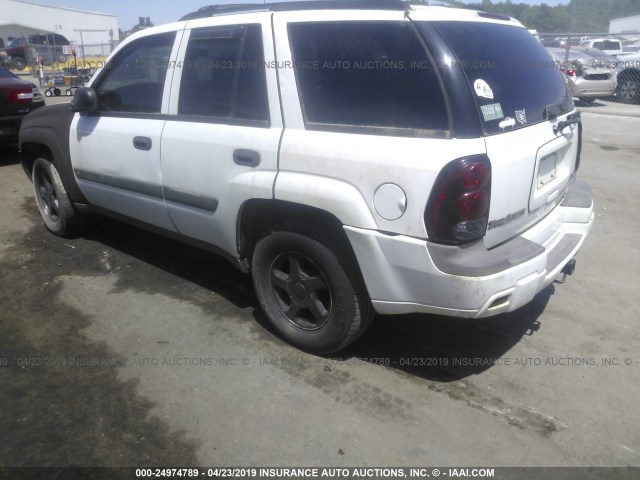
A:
[(224, 74), (364, 75), (133, 81), (59, 39)]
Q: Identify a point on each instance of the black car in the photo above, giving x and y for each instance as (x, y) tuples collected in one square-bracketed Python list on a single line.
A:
[(18, 97)]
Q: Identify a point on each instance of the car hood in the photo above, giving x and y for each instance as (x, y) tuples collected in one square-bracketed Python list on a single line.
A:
[(630, 56)]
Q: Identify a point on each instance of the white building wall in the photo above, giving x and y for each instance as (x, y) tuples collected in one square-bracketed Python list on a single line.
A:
[(627, 24), (95, 30)]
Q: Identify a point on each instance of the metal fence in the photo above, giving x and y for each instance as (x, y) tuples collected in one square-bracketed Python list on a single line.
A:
[(597, 57), (84, 50)]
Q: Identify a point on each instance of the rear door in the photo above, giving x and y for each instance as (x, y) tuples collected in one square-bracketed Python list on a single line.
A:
[(220, 143), (519, 92)]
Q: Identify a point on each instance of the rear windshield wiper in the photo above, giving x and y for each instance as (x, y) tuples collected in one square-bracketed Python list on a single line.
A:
[(571, 119), (552, 112)]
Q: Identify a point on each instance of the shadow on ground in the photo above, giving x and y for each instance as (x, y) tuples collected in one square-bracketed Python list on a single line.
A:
[(432, 347), (8, 154)]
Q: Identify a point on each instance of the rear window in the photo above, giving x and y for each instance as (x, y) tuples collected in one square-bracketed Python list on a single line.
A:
[(607, 45), (363, 77), (6, 74), (512, 76)]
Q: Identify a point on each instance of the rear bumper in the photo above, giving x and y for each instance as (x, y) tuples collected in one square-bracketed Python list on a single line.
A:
[(406, 275), (593, 88)]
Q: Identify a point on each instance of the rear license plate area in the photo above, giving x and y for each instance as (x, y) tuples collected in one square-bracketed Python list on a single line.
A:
[(548, 170)]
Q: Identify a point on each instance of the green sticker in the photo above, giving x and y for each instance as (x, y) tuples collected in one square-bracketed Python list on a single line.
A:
[(492, 112)]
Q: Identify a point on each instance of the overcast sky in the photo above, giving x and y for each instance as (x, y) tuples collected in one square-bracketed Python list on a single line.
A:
[(166, 11)]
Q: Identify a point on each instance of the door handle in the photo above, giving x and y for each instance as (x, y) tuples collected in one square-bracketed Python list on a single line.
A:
[(142, 143), (246, 158)]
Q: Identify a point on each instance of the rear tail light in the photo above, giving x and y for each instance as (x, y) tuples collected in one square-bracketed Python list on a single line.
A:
[(574, 69), (21, 95), (458, 208)]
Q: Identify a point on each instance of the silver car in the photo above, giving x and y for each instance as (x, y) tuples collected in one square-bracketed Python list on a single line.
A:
[(590, 72)]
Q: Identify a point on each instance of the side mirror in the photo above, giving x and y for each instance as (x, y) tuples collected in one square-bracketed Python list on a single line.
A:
[(84, 100)]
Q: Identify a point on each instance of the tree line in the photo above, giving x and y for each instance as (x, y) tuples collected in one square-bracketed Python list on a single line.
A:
[(591, 15)]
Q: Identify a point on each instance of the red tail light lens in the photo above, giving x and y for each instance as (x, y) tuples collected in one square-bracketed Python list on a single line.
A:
[(458, 209), (21, 95)]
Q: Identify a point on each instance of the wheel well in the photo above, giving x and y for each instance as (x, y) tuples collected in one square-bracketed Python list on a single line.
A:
[(258, 217), (629, 74), (29, 152)]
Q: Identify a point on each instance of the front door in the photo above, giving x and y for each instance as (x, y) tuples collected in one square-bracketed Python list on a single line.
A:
[(115, 152)]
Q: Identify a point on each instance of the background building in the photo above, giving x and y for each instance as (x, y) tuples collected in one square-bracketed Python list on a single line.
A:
[(625, 25), (92, 33)]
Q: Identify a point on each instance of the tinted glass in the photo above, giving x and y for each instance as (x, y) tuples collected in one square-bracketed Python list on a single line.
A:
[(6, 74), (512, 76), (363, 75), (60, 40), (607, 45), (224, 74), (134, 80)]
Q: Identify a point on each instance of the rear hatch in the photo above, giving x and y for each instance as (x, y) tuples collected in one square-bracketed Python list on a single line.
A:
[(518, 91)]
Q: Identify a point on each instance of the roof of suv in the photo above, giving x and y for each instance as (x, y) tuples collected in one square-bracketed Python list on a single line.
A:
[(222, 9), (421, 11)]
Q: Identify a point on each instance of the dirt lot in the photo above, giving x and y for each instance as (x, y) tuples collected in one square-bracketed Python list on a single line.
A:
[(122, 348)]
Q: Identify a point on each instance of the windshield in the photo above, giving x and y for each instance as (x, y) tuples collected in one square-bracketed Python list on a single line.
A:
[(513, 77), (6, 74)]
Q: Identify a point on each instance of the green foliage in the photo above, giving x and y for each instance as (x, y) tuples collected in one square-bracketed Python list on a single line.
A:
[(591, 15)]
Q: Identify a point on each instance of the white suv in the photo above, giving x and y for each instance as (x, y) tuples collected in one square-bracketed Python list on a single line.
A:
[(355, 157), (610, 46)]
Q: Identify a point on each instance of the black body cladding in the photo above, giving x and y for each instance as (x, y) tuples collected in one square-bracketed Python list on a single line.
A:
[(48, 128)]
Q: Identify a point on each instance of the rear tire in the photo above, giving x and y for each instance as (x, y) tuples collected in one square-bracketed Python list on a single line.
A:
[(310, 289), (54, 205), (18, 63), (628, 90)]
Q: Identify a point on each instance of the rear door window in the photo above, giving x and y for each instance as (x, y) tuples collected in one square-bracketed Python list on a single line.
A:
[(512, 76), (224, 75), (371, 76)]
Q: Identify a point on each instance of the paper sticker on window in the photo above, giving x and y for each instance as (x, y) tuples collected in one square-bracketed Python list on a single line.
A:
[(492, 112), (507, 122), (482, 89), (521, 115)]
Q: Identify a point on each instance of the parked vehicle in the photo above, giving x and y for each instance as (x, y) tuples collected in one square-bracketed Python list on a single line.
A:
[(590, 72), (17, 98), (610, 46), (325, 148), (50, 47), (628, 88)]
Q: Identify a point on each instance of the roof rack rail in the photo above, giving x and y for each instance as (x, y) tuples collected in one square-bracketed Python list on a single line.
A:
[(222, 9)]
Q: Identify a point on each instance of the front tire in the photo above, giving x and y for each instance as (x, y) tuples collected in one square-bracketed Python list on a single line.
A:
[(54, 205), (310, 289)]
